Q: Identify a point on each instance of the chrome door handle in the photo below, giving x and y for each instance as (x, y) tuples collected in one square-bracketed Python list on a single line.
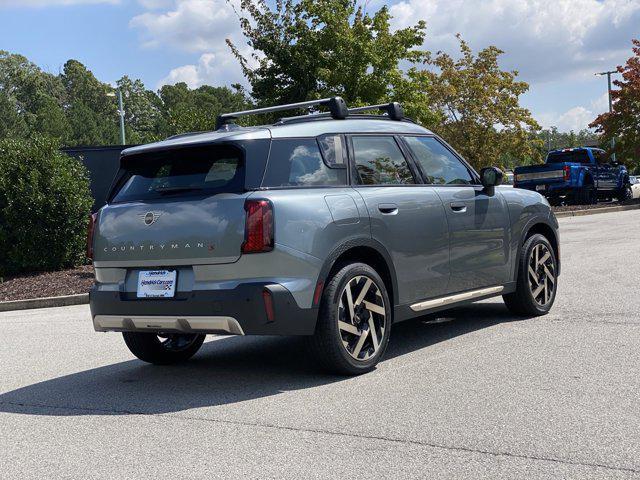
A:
[(458, 207), (388, 208)]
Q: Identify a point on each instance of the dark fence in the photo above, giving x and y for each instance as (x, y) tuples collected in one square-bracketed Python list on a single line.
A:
[(102, 163)]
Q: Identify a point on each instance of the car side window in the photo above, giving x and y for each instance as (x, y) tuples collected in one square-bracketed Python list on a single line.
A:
[(298, 162), (379, 161), (438, 164), (601, 158)]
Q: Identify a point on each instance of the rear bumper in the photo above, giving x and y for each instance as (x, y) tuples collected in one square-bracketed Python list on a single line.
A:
[(239, 311), (550, 188)]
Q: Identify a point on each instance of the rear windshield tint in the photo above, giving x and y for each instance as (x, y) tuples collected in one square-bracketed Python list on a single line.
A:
[(577, 156), (188, 171), (297, 162)]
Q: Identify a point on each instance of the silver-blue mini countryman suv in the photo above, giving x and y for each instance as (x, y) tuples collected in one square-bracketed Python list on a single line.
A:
[(333, 225)]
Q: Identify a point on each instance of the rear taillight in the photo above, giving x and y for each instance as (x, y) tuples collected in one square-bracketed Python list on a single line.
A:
[(90, 229), (258, 227), (566, 172)]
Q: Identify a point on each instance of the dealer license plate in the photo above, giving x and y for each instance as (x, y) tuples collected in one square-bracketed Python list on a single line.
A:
[(156, 284)]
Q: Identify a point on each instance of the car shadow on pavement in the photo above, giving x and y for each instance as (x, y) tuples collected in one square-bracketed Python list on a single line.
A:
[(225, 371)]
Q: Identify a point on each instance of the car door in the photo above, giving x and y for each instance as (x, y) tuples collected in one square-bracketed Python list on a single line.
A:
[(408, 220), (479, 233)]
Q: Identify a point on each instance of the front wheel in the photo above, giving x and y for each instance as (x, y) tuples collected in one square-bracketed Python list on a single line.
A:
[(537, 279), (354, 321), (163, 349), (625, 194)]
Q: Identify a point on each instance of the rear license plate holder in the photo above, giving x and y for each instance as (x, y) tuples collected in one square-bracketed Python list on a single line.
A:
[(156, 284)]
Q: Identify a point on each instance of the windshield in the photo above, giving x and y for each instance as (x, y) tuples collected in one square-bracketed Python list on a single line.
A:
[(575, 156), (203, 170)]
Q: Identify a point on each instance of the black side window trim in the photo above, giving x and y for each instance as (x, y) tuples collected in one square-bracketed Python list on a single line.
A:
[(354, 177), (474, 175)]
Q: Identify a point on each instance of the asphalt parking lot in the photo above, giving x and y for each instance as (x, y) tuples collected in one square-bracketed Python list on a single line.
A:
[(474, 393)]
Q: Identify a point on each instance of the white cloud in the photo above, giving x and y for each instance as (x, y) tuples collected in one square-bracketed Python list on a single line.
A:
[(213, 68), (543, 39), (575, 118), (51, 3), (155, 4), (189, 25)]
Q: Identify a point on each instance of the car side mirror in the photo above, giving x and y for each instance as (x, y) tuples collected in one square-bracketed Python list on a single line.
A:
[(491, 177)]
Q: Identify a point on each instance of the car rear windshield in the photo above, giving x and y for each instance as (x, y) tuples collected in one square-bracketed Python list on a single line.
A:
[(186, 171), (576, 156)]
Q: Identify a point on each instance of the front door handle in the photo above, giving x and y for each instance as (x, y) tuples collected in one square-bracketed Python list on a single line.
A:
[(388, 208), (458, 207)]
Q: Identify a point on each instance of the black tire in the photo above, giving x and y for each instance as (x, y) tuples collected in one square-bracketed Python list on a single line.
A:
[(625, 194), (522, 302), (586, 196), (327, 344), (165, 350)]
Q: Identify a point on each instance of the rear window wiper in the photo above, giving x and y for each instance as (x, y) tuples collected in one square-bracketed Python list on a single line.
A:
[(169, 190)]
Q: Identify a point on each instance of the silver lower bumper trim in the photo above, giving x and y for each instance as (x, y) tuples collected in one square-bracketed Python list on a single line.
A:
[(458, 297), (117, 323)]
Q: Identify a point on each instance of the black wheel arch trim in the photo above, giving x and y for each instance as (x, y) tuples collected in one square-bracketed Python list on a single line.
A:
[(357, 242), (537, 220)]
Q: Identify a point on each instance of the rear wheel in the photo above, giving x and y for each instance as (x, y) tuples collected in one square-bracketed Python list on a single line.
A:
[(163, 349), (537, 279), (586, 195), (354, 321)]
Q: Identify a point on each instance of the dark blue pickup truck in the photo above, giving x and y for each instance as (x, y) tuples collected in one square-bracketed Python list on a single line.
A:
[(576, 175)]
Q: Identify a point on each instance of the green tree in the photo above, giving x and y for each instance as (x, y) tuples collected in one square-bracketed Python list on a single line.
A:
[(91, 112), (194, 110), (31, 101), (623, 123), (479, 107), (314, 49), (143, 111)]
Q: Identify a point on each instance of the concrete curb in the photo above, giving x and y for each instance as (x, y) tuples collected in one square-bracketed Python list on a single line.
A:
[(594, 211), (45, 302)]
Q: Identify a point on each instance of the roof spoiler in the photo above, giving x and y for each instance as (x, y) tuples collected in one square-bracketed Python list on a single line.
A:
[(336, 105)]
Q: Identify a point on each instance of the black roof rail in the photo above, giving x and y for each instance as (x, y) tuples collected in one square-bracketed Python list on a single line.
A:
[(393, 110), (337, 109)]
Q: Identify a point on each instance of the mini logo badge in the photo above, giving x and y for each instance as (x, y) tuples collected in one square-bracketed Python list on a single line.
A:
[(150, 217)]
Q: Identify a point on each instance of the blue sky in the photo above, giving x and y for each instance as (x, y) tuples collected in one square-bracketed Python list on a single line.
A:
[(557, 45)]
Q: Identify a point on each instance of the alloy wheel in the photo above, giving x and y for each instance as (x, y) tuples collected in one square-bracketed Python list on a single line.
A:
[(177, 342), (542, 274), (362, 318)]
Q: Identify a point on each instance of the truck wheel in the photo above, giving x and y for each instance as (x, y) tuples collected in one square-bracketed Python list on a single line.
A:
[(586, 195), (354, 321), (163, 349), (537, 279), (625, 194)]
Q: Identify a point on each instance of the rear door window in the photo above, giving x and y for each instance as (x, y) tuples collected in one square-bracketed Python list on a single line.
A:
[(575, 156), (188, 171), (379, 161), (297, 162)]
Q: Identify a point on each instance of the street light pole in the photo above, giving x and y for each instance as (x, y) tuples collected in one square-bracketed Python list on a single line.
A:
[(613, 138), (118, 95), (121, 111)]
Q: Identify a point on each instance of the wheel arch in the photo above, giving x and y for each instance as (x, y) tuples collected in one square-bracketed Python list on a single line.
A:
[(548, 231), (363, 250)]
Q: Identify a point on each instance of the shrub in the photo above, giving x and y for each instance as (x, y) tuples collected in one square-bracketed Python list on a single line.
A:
[(45, 203)]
